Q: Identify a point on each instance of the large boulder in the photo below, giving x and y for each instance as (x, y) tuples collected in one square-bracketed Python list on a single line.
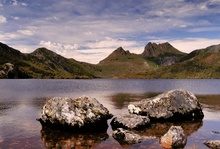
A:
[(213, 144), (130, 121), (172, 105), (80, 114), (174, 138)]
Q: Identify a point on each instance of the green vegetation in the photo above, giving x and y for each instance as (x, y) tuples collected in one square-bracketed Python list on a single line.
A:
[(157, 61)]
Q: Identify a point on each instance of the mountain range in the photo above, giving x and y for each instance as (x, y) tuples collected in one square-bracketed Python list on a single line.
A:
[(156, 61)]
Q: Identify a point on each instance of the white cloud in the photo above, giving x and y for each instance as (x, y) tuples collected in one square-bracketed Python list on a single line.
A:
[(62, 49), (24, 4), (26, 32), (16, 18), (8, 36), (2, 19), (111, 43)]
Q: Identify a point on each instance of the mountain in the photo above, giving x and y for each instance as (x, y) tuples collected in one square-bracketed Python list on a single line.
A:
[(43, 63), (203, 63), (120, 63), (157, 61), (163, 54)]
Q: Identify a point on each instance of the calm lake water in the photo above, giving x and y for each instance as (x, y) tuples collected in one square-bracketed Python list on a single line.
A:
[(21, 102)]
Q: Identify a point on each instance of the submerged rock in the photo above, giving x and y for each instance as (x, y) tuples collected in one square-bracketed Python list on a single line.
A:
[(213, 144), (80, 114), (173, 105), (130, 121), (126, 136), (174, 138)]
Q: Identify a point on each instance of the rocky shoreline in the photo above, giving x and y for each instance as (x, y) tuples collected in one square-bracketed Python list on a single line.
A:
[(86, 114)]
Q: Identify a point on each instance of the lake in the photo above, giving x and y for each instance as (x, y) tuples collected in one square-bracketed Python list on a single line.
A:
[(21, 102)]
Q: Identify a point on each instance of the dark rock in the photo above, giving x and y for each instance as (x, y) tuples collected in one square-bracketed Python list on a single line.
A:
[(213, 144), (168, 60), (80, 114), (172, 105), (216, 132), (130, 121), (125, 136), (174, 138)]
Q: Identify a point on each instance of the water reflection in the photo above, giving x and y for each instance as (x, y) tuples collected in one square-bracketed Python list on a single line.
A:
[(65, 140), (210, 101), (121, 100), (158, 129)]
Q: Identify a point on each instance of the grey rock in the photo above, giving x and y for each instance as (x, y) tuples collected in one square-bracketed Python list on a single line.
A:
[(80, 114), (8, 71), (126, 136), (168, 60), (213, 144), (130, 121), (174, 138), (172, 105)]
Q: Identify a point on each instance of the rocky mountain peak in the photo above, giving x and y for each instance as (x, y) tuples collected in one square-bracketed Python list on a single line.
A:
[(121, 51), (154, 50), (117, 54)]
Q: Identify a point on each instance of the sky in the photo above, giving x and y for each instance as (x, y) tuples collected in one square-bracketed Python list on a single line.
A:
[(89, 30)]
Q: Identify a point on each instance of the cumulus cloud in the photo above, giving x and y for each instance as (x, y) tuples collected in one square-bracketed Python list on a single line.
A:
[(60, 48), (2, 19)]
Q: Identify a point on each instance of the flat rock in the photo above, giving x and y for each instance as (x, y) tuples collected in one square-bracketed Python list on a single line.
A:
[(213, 144), (174, 138), (130, 121), (80, 114), (172, 105)]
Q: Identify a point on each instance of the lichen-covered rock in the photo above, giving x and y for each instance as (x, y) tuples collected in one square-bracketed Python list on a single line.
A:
[(213, 144), (174, 138), (175, 104), (83, 113), (126, 136), (8, 71), (130, 121)]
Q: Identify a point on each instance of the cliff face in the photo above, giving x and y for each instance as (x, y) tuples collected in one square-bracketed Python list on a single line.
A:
[(163, 54)]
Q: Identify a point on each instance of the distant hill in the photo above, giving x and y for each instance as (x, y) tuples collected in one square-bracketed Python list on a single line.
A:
[(156, 61), (43, 63), (120, 63)]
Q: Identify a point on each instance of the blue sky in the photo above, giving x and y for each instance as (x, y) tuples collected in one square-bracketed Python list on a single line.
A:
[(89, 30)]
